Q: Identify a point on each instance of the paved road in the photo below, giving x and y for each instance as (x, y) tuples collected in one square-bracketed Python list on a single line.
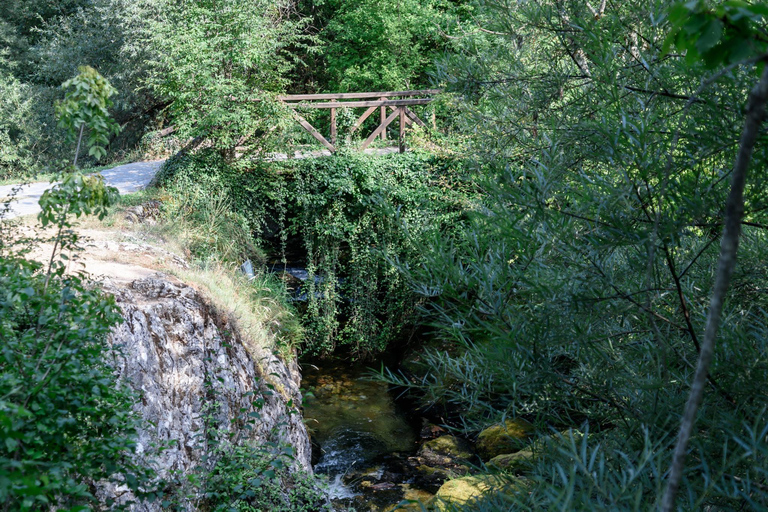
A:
[(127, 178)]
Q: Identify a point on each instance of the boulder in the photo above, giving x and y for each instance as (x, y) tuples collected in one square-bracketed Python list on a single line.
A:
[(505, 438), (461, 491), (517, 462), (522, 461), (445, 450)]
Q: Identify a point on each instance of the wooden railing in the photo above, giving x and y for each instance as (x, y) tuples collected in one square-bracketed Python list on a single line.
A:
[(397, 102)]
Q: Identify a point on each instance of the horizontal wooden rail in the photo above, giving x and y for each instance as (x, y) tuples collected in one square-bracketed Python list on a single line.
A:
[(358, 95), (355, 104), (397, 101)]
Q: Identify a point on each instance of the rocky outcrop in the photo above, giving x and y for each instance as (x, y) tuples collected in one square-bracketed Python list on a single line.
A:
[(187, 360)]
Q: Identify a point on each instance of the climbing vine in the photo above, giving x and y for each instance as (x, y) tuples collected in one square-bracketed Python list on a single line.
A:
[(344, 219)]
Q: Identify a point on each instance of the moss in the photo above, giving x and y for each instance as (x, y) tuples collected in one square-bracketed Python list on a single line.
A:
[(461, 491), (503, 438), (522, 461), (446, 450), (518, 462)]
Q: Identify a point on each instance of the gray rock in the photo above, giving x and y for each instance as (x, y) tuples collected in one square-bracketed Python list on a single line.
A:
[(171, 343)]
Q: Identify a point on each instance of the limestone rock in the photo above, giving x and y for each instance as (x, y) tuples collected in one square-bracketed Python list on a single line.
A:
[(503, 438), (513, 462), (462, 491), (177, 352), (521, 461)]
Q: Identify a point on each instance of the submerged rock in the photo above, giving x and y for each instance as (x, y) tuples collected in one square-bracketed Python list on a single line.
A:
[(446, 450), (431, 478), (508, 437)]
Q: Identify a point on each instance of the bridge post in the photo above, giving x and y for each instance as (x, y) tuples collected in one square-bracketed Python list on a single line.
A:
[(402, 128), (333, 126), (383, 118)]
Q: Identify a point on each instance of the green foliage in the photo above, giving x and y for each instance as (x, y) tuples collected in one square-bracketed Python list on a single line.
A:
[(19, 135), (86, 104), (65, 422), (199, 203), (578, 289), (728, 33), (350, 211), (251, 479), (43, 44), (380, 45), (219, 64), (377, 46), (342, 215)]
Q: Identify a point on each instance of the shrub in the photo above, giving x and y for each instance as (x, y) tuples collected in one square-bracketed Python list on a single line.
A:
[(343, 217), (65, 422)]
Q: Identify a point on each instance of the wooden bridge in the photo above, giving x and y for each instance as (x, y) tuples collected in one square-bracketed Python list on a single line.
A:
[(391, 105)]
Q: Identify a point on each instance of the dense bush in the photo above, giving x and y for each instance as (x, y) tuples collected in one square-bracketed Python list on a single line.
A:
[(19, 135), (342, 217), (580, 291), (66, 423)]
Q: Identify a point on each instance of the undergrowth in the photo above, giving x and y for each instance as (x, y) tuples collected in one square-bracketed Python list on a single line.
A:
[(343, 218)]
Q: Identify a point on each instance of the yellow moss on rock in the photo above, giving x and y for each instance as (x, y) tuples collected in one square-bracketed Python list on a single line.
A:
[(461, 491), (503, 438)]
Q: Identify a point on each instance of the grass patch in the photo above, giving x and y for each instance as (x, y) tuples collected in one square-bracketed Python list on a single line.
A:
[(212, 241), (257, 307)]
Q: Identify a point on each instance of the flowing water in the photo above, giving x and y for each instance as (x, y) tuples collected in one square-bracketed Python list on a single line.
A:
[(361, 435)]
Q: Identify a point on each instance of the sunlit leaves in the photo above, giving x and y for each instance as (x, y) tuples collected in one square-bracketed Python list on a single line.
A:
[(722, 34), (86, 104)]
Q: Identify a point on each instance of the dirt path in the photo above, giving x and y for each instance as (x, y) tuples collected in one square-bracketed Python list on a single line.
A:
[(127, 178)]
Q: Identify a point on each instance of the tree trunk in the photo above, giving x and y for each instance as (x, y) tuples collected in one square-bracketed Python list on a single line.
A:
[(734, 211), (79, 140)]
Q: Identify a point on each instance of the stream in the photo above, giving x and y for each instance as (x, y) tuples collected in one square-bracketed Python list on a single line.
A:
[(362, 437)]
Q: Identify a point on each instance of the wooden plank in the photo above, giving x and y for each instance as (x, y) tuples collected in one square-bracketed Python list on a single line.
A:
[(356, 104), (316, 134), (358, 95), (401, 113), (407, 120), (377, 131), (333, 126), (362, 119), (414, 117)]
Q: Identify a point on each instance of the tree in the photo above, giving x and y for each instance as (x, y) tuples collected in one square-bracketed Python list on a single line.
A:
[(66, 424), (579, 289), (86, 104), (374, 45), (220, 64)]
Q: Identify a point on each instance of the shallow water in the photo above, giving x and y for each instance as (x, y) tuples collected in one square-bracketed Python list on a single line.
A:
[(358, 430)]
